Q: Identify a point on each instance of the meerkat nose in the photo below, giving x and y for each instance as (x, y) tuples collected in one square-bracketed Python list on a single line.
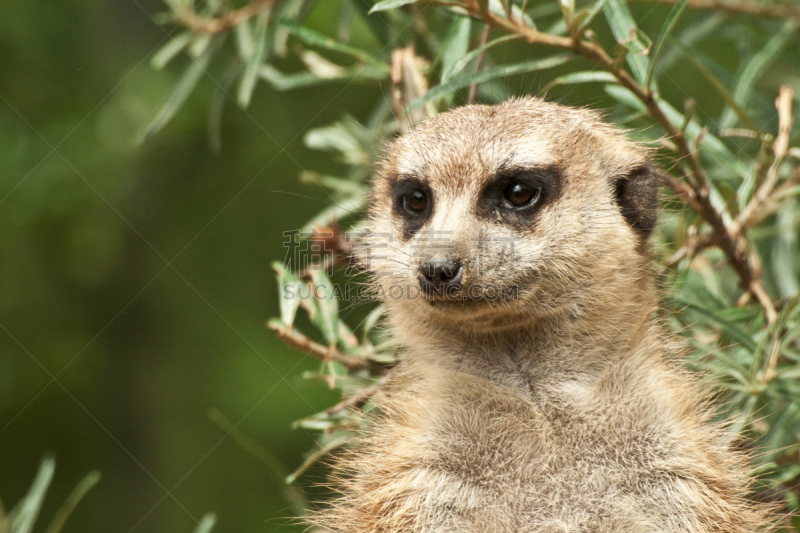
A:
[(436, 275)]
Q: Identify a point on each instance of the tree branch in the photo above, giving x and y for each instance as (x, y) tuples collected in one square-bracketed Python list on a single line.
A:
[(298, 341), (742, 6), (200, 24)]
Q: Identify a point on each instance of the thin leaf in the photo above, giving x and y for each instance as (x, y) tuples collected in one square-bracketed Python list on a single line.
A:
[(625, 31), (286, 82), (596, 8), (666, 29), (251, 68), (720, 87), (455, 46), (328, 319), (336, 212), (214, 124), (730, 329), (289, 285), (473, 54), (72, 501), (693, 34), (335, 183), (180, 93), (291, 495), (487, 74), (373, 318), (755, 68), (244, 40), (785, 252), (713, 145), (316, 456), (386, 5), (588, 76), (380, 28), (317, 39), (200, 44), (206, 523), (23, 516), (168, 52)]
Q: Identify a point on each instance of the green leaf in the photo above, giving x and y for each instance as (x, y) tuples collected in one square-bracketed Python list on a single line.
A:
[(335, 183), (755, 68), (716, 84), (465, 60), (328, 318), (317, 39), (378, 25), (289, 287), (200, 44), (168, 52), (285, 82), (182, 90), (785, 252), (72, 501), (206, 523), (214, 123), (584, 22), (244, 40), (588, 76), (336, 212), (455, 46), (731, 330), (386, 5), (251, 68), (488, 74), (340, 137), (666, 29), (22, 517), (373, 318), (712, 144), (624, 29), (567, 11), (692, 34)]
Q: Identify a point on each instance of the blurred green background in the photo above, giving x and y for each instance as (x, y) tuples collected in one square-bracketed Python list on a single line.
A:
[(135, 282)]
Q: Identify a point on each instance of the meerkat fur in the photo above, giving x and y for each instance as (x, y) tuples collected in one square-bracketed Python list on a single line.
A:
[(560, 407)]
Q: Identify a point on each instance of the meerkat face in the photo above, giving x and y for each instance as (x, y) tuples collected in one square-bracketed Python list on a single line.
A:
[(520, 208)]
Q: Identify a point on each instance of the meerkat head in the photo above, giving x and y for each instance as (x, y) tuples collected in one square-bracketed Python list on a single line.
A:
[(517, 210)]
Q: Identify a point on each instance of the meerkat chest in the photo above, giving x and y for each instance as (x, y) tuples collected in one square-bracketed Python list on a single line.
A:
[(525, 465)]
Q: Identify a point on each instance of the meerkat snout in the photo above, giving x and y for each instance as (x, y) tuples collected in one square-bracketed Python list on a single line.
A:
[(441, 275)]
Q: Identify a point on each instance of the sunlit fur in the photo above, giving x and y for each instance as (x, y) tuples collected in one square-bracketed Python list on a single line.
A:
[(562, 410)]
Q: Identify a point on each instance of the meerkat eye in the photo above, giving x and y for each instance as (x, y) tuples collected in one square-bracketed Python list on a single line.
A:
[(520, 194), (415, 202)]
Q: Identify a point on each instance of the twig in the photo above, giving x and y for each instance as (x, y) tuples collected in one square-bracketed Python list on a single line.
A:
[(473, 89), (742, 6), (780, 148), (200, 24), (408, 84), (358, 400), (298, 341), (729, 242), (691, 247)]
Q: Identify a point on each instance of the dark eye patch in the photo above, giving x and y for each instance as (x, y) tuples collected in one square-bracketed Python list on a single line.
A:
[(412, 202), (514, 195)]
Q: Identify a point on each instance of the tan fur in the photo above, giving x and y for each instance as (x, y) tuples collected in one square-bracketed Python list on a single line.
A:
[(561, 410)]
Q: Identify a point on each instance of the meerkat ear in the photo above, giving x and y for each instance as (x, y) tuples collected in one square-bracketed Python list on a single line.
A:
[(636, 194)]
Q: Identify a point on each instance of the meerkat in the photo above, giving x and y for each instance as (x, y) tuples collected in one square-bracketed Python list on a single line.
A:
[(538, 392)]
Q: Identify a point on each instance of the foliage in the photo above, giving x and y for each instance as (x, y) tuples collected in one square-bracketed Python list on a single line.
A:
[(686, 83), (22, 518)]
